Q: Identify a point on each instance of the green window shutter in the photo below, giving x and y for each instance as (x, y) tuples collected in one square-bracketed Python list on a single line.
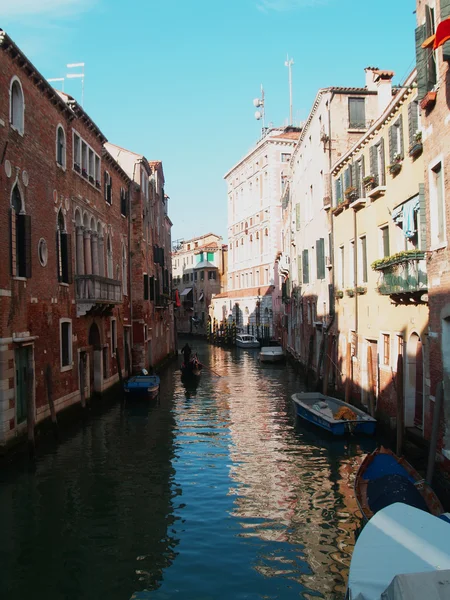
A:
[(320, 258), (300, 271), (383, 165), (445, 13), (422, 218), (305, 267), (402, 145), (362, 175), (429, 54), (145, 286), (373, 160), (152, 288), (297, 216), (338, 191), (421, 62), (347, 178), (392, 142), (211, 256), (353, 175), (356, 177), (27, 244), (413, 121)]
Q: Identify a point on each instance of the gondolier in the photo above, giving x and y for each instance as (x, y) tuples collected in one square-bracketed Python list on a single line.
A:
[(186, 351)]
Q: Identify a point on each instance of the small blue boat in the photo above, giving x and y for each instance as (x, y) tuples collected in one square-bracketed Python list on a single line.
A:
[(322, 411), (142, 387)]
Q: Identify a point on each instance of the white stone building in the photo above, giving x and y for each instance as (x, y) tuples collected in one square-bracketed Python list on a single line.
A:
[(254, 188)]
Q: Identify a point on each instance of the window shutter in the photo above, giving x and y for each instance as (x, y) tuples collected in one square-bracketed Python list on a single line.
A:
[(373, 160), (12, 242), (58, 256), (320, 258), (402, 145), (161, 259), (68, 238), (105, 184), (445, 13), (145, 286), (152, 288), (297, 216), (26, 219), (383, 166), (338, 191), (299, 268), (429, 54), (305, 267), (422, 218), (392, 141), (347, 178), (157, 298), (110, 189), (362, 174), (413, 121), (421, 62), (353, 174)]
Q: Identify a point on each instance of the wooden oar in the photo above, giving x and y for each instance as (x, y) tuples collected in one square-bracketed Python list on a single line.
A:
[(215, 373)]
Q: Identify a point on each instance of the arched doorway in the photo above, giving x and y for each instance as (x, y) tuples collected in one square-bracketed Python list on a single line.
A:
[(414, 383), (96, 367)]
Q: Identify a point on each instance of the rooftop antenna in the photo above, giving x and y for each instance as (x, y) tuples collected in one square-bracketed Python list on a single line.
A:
[(77, 75), (288, 63), (52, 79), (259, 103)]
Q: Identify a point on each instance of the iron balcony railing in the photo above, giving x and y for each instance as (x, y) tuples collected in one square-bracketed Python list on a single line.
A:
[(95, 288), (403, 275)]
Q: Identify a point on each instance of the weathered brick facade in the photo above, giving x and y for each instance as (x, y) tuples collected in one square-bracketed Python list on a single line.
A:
[(65, 292), (434, 94)]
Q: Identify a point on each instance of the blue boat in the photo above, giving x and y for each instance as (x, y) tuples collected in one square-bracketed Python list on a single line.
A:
[(334, 415), (142, 387)]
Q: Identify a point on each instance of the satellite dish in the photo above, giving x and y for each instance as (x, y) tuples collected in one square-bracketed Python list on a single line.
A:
[(258, 115), (256, 102)]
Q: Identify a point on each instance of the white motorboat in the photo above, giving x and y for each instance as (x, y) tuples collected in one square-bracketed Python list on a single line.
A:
[(271, 354), (246, 340), (403, 553)]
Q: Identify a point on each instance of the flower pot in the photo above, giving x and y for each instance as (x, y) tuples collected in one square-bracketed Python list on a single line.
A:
[(416, 150), (395, 168)]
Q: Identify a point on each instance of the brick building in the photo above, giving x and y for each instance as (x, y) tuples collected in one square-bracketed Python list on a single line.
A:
[(434, 93), (66, 300), (151, 269)]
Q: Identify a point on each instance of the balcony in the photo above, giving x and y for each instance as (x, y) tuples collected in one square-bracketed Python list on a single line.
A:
[(96, 294), (403, 276)]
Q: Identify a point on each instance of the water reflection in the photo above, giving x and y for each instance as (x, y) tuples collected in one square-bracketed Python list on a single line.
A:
[(215, 492)]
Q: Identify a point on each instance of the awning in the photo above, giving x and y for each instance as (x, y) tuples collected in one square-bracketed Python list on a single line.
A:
[(202, 295), (205, 264), (442, 34), (186, 291), (404, 215)]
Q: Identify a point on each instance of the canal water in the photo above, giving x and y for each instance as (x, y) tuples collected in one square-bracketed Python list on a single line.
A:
[(214, 492)]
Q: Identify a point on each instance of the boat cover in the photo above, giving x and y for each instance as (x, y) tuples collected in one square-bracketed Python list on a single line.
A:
[(419, 586), (383, 491), (400, 539)]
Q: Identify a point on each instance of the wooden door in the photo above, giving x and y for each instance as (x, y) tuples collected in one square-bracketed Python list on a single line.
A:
[(418, 409)]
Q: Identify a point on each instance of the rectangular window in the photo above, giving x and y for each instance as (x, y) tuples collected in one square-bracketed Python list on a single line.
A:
[(145, 286), (113, 336), (202, 275), (195, 275), (386, 349), (66, 343), (211, 274), (437, 204), (385, 241), (320, 258), (363, 258), (305, 263), (97, 171), (76, 152), (285, 157), (341, 278), (396, 141), (357, 113), (351, 264), (91, 166), (400, 346)]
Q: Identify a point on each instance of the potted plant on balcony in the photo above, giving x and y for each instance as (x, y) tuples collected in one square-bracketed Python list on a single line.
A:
[(416, 147), (98, 184), (84, 172), (76, 167), (396, 165), (361, 289), (338, 294), (370, 181), (350, 292), (351, 193)]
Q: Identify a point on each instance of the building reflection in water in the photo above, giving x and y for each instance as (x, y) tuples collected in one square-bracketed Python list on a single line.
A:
[(292, 485)]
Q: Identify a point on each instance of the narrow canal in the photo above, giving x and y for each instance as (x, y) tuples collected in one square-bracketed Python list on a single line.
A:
[(212, 493)]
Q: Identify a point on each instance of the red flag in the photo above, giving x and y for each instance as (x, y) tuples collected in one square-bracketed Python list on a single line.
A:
[(177, 299), (442, 34)]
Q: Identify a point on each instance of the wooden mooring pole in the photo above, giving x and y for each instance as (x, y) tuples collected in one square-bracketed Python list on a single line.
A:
[(51, 404), (400, 405), (83, 381), (435, 431), (30, 412), (348, 381), (370, 381), (120, 375), (326, 373)]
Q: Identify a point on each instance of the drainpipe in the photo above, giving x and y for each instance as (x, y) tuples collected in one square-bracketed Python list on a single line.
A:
[(355, 272), (330, 183), (130, 290)]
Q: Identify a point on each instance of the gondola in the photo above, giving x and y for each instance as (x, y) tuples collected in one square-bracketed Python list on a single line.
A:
[(383, 479), (192, 369)]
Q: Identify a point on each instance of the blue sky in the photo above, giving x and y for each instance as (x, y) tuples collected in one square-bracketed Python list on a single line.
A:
[(175, 79)]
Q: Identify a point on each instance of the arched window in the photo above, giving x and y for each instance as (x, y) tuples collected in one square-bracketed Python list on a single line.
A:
[(60, 146), (124, 271), (17, 106), (63, 251), (109, 257), (20, 237)]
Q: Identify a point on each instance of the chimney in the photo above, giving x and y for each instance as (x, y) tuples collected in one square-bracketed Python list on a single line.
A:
[(370, 78), (381, 82)]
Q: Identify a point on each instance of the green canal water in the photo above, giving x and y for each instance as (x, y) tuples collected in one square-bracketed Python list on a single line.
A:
[(211, 493)]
